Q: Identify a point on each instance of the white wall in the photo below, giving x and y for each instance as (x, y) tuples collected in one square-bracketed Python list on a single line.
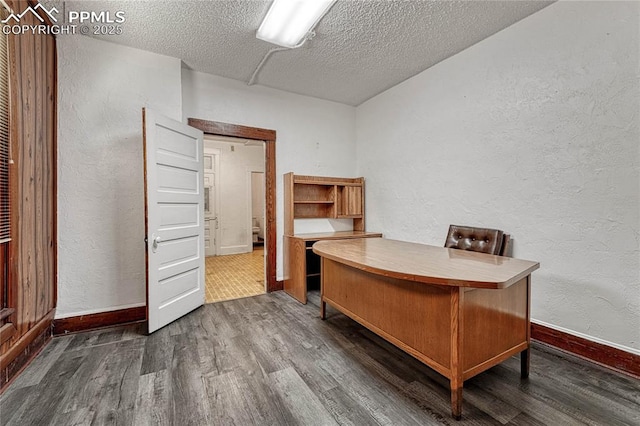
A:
[(313, 136), (535, 131), (234, 186), (102, 88)]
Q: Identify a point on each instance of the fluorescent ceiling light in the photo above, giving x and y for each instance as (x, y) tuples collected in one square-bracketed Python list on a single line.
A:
[(289, 21)]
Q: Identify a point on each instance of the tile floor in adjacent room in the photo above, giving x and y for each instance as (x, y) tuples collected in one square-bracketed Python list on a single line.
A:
[(234, 276)]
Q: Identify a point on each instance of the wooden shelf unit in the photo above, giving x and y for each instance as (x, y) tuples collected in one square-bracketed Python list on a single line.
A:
[(316, 197), (312, 197)]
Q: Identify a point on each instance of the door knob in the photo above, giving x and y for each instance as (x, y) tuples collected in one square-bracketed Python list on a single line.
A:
[(156, 241)]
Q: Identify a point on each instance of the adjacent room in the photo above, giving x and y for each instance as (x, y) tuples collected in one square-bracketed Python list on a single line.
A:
[(234, 207), (372, 213)]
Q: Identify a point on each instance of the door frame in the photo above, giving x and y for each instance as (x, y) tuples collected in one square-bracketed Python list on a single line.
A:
[(250, 172), (269, 138)]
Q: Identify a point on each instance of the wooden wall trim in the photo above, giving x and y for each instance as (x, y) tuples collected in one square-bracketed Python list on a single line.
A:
[(32, 347), (100, 320), (269, 137), (7, 331), (53, 57), (607, 356), (26, 339), (31, 270)]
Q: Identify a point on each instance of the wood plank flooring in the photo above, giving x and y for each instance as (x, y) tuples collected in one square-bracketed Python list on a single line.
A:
[(268, 360)]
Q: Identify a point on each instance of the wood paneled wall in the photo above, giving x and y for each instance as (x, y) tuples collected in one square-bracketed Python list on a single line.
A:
[(32, 251)]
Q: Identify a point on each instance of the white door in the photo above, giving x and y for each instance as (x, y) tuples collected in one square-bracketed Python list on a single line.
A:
[(210, 216), (174, 219)]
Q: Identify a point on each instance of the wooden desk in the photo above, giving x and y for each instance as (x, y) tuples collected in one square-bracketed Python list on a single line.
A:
[(302, 266), (459, 312)]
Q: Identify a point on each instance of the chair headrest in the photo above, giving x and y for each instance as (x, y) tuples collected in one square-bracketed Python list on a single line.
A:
[(483, 240)]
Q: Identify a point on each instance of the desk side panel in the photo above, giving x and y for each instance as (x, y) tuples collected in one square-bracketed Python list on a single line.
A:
[(295, 283), (413, 316), (494, 326)]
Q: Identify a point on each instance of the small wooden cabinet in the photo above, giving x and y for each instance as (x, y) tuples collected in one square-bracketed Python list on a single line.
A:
[(317, 197), (302, 265)]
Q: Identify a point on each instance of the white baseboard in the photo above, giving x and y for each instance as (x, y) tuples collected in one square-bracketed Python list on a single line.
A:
[(235, 249)]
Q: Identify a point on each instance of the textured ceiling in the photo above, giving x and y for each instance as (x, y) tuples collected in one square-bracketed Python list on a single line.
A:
[(362, 47)]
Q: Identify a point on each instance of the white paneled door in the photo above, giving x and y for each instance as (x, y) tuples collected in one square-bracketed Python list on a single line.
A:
[(211, 225), (210, 217), (174, 209)]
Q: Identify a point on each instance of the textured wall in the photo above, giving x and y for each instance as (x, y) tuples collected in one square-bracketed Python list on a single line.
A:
[(314, 137), (102, 89), (535, 131), (234, 186)]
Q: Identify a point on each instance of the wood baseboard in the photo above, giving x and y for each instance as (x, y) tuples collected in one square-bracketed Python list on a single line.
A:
[(100, 320), (607, 356), (24, 350), (279, 285)]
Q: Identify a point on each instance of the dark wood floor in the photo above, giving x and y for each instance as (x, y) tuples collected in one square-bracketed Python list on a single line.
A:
[(268, 360)]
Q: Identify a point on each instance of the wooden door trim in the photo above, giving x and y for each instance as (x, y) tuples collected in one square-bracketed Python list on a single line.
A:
[(269, 137)]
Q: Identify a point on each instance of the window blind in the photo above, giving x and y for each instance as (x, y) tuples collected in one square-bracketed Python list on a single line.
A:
[(5, 214)]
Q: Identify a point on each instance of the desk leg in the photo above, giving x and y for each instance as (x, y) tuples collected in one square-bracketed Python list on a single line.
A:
[(457, 301), (323, 304), (525, 356), (456, 401), (525, 361)]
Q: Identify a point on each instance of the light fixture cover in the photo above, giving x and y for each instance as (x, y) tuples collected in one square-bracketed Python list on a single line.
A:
[(288, 21)]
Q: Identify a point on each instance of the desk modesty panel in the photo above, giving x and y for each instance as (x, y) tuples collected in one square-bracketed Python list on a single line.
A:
[(458, 312)]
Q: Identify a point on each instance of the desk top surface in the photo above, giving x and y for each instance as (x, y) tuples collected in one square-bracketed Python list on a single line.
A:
[(428, 264)]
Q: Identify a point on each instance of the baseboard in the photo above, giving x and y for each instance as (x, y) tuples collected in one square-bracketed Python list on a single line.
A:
[(100, 320), (610, 357), (277, 286), (24, 350), (224, 251)]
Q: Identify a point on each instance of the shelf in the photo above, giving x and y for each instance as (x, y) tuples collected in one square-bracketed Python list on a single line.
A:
[(324, 180), (314, 202), (313, 210), (314, 275), (310, 193)]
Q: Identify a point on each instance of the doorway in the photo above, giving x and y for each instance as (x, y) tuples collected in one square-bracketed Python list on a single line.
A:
[(234, 217), (269, 138)]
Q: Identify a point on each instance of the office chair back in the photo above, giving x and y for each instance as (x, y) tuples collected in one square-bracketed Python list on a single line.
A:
[(482, 240)]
